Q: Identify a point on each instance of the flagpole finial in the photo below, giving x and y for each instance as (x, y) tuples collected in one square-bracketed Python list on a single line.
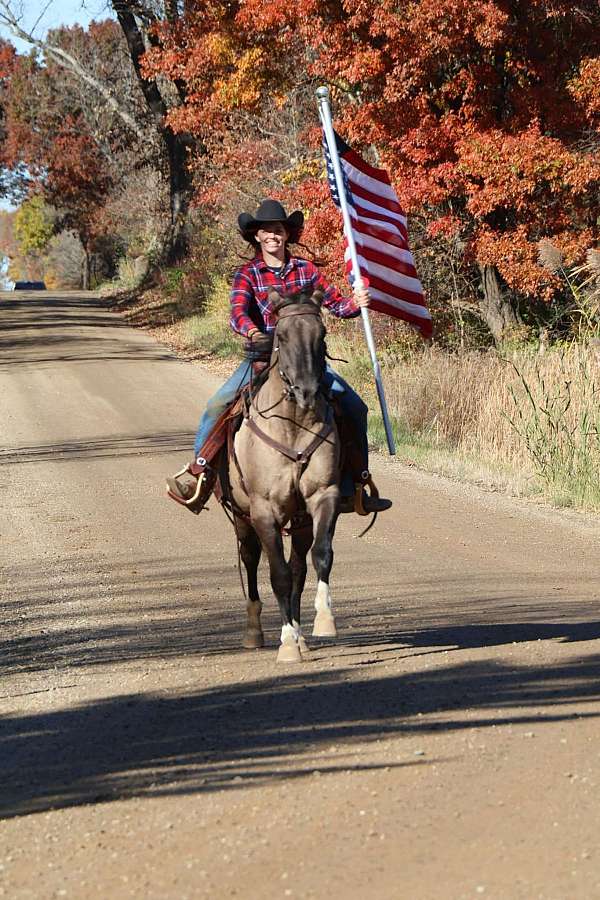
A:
[(323, 92)]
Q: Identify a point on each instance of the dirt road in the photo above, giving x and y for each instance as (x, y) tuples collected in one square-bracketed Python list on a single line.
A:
[(445, 746)]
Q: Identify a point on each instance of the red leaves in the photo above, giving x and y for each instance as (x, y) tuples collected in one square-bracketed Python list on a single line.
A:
[(585, 89), (471, 104)]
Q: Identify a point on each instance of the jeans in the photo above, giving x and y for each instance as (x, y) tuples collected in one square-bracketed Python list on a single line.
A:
[(351, 405)]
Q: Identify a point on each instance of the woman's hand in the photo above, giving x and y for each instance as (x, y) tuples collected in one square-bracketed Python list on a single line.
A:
[(361, 294)]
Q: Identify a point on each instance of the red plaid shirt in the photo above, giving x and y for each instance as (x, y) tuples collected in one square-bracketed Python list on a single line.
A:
[(250, 307)]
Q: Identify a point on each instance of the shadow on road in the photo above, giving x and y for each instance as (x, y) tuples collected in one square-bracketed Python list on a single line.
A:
[(42, 330), (244, 735), (250, 733), (114, 446)]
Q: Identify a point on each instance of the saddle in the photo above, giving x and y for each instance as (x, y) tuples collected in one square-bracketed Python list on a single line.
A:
[(211, 466)]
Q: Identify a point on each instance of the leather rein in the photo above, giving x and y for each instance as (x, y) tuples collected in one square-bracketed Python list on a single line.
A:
[(300, 457)]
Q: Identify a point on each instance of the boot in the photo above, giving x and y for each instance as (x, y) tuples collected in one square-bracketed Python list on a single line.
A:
[(366, 504), (362, 502), (195, 492)]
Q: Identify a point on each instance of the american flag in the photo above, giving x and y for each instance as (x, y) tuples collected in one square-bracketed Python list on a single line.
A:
[(381, 237)]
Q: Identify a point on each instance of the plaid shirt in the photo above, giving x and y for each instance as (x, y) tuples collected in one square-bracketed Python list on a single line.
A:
[(250, 307)]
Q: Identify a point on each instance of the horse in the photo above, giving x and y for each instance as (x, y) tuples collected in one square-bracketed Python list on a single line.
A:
[(285, 468)]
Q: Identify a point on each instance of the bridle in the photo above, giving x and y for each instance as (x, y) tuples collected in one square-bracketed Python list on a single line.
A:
[(300, 457), (287, 312)]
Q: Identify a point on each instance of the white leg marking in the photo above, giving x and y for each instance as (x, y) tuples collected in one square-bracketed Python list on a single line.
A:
[(323, 598), (289, 633), (324, 624)]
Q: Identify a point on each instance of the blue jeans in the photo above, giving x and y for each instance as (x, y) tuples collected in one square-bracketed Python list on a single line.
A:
[(351, 405)]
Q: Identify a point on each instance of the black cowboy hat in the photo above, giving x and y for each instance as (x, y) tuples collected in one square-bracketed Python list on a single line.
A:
[(271, 211)]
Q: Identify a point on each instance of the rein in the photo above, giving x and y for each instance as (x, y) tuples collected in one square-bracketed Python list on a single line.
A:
[(301, 458)]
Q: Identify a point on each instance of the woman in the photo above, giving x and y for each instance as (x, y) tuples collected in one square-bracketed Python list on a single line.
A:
[(269, 232)]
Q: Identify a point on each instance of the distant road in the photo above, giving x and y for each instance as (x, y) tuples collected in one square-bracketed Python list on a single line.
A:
[(446, 745)]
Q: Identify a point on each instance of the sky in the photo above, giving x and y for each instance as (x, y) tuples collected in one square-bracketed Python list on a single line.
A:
[(51, 13)]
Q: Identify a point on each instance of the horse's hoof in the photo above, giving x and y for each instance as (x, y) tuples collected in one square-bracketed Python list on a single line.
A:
[(289, 653), (303, 646), (253, 639), (324, 625)]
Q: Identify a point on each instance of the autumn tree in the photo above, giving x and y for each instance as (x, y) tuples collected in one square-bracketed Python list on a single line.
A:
[(139, 23), (34, 225), (485, 113), (66, 153)]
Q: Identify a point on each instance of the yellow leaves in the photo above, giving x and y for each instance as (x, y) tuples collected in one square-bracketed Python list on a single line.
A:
[(34, 225), (306, 168), (220, 48), (242, 88)]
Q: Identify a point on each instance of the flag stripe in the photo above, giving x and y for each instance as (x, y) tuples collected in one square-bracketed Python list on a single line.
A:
[(382, 256), (372, 186), (379, 229), (370, 212), (396, 309), (393, 208), (413, 309), (401, 287), (376, 232), (379, 175)]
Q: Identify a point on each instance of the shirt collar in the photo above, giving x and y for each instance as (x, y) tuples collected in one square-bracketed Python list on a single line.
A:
[(261, 265)]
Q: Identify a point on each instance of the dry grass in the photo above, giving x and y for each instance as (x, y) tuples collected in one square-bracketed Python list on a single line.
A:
[(524, 423)]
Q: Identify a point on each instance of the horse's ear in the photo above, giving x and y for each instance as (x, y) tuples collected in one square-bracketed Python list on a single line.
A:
[(317, 298), (275, 300)]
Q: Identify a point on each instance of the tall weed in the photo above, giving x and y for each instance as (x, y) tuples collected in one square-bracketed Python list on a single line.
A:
[(558, 420)]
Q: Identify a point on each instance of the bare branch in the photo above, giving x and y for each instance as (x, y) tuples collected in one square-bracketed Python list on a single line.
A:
[(41, 15), (71, 64)]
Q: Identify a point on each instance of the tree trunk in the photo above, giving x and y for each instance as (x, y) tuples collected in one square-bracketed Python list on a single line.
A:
[(495, 303), (172, 245), (86, 269), (180, 190)]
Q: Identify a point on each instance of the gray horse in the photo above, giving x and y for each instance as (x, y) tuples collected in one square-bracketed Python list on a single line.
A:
[(286, 469)]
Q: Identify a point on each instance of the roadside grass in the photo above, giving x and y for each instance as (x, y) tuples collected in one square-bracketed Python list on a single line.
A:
[(209, 331), (523, 422)]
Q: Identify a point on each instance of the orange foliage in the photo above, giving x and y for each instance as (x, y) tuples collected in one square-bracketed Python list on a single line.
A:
[(472, 106)]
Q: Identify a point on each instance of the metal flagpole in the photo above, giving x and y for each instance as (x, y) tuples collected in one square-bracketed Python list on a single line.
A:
[(325, 116)]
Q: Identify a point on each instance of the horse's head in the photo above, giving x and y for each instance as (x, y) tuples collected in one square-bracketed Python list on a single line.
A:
[(300, 339)]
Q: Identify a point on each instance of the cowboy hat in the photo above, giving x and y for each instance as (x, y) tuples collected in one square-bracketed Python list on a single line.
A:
[(271, 211)]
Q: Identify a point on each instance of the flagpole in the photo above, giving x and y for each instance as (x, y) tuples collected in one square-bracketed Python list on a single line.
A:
[(325, 116)]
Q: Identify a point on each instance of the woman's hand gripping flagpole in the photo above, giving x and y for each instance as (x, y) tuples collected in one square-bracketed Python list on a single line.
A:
[(325, 116)]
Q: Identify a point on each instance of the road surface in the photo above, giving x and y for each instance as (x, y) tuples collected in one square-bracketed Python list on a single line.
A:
[(445, 746)]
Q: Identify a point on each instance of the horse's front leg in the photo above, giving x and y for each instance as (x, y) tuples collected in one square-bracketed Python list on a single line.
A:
[(323, 507), (269, 534), (301, 541), (250, 553)]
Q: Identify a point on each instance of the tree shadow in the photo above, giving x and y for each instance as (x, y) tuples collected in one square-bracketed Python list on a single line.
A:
[(61, 315), (115, 446), (143, 626), (475, 636), (253, 733)]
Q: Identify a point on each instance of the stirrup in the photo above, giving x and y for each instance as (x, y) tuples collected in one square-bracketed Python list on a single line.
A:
[(205, 480), (360, 496)]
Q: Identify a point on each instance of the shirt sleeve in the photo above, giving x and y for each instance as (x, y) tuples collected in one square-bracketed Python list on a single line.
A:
[(342, 307), (242, 293)]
